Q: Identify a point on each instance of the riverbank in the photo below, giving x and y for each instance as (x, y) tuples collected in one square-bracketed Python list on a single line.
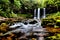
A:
[(11, 19)]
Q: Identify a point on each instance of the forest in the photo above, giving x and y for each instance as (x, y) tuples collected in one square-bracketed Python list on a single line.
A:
[(18, 8), (14, 11)]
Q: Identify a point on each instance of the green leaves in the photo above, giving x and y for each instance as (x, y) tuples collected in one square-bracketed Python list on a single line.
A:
[(50, 1), (17, 4), (6, 1), (36, 2), (56, 36), (54, 15), (57, 3), (30, 4), (52, 19), (27, 4), (13, 14)]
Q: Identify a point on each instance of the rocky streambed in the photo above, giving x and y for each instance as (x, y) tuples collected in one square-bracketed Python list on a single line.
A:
[(8, 33), (22, 29)]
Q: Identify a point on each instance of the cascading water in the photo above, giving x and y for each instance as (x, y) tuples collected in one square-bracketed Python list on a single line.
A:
[(38, 17), (34, 13), (40, 28), (24, 27), (38, 14), (27, 28), (44, 11)]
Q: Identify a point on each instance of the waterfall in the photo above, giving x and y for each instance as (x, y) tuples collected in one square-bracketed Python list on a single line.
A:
[(34, 13), (38, 15), (27, 27), (44, 12)]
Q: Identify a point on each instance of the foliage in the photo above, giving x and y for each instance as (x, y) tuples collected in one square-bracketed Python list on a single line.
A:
[(13, 14), (48, 21), (55, 37), (53, 3), (3, 27), (53, 15), (19, 6), (17, 3), (52, 19), (25, 15), (29, 4)]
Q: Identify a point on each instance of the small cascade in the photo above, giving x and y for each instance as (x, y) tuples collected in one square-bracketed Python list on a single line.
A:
[(44, 12), (31, 26), (34, 13), (37, 17), (38, 14), (41, 31)]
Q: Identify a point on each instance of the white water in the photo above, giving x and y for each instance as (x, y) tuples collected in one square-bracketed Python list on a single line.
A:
[(27, 28), (37, 17), (15, 25), (44, 12), (38, 14), (39, 22), (34, 13)]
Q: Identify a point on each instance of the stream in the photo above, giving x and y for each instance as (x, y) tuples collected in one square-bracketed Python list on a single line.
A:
[(31, 25)]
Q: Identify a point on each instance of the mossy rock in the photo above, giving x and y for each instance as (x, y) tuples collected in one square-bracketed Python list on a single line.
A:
[(57, 20), (56, 26), (48, 21)]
